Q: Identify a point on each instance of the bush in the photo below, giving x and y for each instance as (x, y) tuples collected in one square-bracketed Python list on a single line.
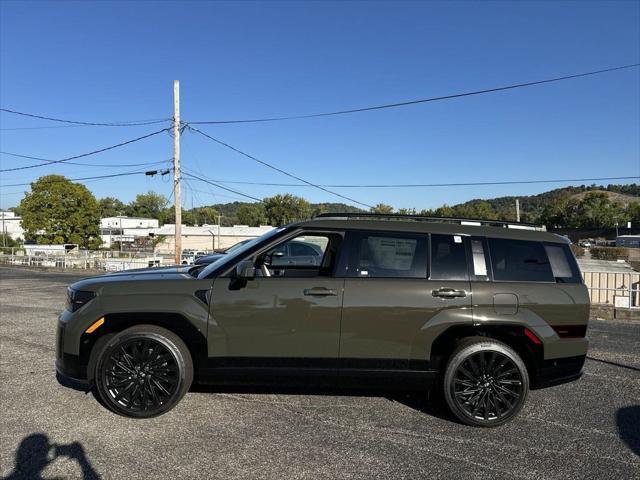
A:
[(607, 253), (577, 250)]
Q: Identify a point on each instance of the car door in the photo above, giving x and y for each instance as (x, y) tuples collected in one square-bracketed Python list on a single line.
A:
[(288, 320), (394, 305)]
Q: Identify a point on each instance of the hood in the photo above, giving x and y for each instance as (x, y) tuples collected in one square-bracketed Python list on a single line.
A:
[(173, 272)]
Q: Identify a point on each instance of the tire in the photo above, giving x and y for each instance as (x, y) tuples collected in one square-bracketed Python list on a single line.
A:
[(143, 372), (485, 382)]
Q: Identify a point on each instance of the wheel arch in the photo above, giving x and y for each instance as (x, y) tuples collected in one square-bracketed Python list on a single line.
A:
[(193, 338), (511, 335)]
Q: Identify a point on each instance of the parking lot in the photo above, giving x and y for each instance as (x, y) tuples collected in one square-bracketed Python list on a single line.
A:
[(585, 429)]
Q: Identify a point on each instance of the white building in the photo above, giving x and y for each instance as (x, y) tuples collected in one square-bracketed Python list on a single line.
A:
[(125, 229), (206, 237), (10, 224)]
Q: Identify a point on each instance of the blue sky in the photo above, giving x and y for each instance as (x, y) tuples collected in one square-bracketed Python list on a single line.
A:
[(115, 61)]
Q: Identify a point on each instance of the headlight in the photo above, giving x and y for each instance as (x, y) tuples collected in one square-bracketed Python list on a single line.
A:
[(77, 298)]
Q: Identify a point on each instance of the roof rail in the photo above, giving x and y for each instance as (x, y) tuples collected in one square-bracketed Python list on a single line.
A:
[(423, 218)]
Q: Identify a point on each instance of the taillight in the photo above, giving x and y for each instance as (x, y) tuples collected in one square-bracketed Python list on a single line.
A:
[(570, 331), (532, 336)]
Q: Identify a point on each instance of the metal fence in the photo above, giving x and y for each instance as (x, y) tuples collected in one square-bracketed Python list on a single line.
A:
[(84, 259), (621, 290)]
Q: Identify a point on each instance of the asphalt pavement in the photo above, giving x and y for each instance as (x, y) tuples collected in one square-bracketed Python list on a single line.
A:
[(585, 429)]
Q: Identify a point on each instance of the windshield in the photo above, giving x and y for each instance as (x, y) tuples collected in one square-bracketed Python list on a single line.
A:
[(231, 257), (237, 246)]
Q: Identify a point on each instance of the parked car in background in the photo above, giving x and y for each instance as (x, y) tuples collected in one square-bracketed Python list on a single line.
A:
[(479, 313), (206, 259), (189, 256)]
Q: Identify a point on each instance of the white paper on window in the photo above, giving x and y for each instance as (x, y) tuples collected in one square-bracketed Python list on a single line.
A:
[(392, 253), (479, 263)]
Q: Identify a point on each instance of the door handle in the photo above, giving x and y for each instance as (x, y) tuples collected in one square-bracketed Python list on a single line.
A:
[(448, 293), (320, 292)]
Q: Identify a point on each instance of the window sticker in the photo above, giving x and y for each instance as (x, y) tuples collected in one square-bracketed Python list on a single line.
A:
[(457, 239)]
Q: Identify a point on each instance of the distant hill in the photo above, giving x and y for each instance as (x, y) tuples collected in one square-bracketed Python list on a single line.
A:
[(531, 206)]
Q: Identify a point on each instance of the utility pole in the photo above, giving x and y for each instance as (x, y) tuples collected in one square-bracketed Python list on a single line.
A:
[(517, 210), (176, 171), (218, 232)]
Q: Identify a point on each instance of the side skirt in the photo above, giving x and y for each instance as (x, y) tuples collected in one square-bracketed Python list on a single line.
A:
[(343, 373)]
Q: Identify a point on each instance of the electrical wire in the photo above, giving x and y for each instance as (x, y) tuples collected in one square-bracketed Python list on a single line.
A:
[(86, 164), (113, 175), (420, 185), (278, 169), (415, 102), (131, 123), (88, 153), (221, 187)]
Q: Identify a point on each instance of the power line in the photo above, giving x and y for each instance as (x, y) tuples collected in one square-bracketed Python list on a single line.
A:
[(419, 185), (113, 175), (423, 100), (40, 159), (277, 169), (222, 187), (131, 123), (88, 153)]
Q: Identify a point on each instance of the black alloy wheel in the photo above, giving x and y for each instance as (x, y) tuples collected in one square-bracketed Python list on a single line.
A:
[(143, 372), (485, 382), (487, 385)]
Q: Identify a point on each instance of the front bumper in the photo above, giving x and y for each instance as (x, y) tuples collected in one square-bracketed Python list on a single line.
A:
[(66, 379), (69, 372)]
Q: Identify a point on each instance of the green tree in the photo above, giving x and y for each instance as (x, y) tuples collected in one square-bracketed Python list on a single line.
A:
[(148, 205), (205, 215), (407, 211), (554, 213), (287, 208), (7, 241), (252, 214), (595, 209), (633, 213), (444, 211), (58, 211), (382, 208), (111, 207)]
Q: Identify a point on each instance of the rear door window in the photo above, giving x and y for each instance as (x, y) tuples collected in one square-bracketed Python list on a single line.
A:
[(448, 258), (519, 261), (388, 255), (563, 264)]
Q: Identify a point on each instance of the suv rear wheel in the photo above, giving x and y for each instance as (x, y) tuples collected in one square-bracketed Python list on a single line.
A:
[(485, 382), (143, 371)]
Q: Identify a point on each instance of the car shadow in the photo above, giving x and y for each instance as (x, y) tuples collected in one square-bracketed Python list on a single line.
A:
[(428, 403), (628, 422), (615, 364), (36, 452)]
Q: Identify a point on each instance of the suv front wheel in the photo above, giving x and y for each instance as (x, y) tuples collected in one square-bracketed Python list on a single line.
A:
[(143, 371), (485, 382)]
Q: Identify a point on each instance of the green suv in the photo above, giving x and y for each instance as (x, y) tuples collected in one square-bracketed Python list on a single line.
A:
[(482, 311)]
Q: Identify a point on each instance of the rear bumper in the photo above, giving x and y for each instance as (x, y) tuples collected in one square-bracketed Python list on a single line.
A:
[(558, 371)]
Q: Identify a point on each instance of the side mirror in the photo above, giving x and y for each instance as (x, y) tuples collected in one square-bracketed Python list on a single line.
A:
[(245, 269)]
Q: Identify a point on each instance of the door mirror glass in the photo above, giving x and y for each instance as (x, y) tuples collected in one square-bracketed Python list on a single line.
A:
[(245, 269)]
